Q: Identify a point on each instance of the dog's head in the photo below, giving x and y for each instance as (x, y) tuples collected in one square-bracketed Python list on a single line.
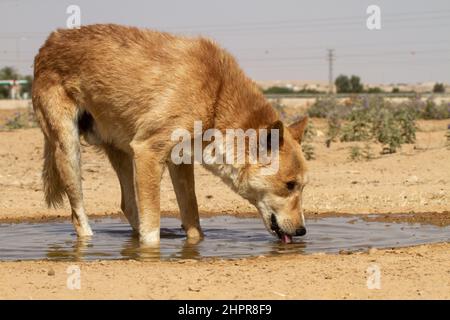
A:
[(278, 196)]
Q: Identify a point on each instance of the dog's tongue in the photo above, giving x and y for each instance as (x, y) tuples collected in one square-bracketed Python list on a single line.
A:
[(286, 238)]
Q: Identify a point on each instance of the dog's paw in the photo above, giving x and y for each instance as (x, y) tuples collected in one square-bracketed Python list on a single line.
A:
[(149, 238)]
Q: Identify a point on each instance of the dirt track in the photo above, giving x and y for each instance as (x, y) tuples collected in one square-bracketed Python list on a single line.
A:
[(416, 180)]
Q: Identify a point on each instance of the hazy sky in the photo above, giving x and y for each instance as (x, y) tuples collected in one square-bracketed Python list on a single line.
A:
[(281, 39)]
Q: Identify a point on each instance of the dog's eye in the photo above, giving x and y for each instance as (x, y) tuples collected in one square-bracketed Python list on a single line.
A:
[(291, 185)]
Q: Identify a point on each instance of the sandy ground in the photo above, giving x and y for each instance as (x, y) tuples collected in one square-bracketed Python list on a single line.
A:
[(421, 272), (416, 180)]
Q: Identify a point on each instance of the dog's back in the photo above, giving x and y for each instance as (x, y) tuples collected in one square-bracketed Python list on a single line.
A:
[(100, 62)]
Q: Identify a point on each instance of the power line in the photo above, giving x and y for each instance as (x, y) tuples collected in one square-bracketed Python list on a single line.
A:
[(329, 22), (414, 15), (358, 55)]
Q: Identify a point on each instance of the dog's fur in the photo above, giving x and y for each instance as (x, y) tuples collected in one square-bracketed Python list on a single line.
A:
[(126, 90)]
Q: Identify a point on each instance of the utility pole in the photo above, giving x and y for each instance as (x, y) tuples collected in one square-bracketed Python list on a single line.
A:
[(330, 70)]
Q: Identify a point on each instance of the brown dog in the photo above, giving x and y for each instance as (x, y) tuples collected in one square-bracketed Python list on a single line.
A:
[(126, 90)]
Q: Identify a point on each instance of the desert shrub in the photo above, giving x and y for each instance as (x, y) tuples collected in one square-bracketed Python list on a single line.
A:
[(359, 125), (364, 118), (324, 107), (377, 119), (407, 120), (280, 108), (308, 137), (367, 152), (448, 136), (387, 131), (431, 110), (428, 109), (334, 128), (20, 120), (357, 153)]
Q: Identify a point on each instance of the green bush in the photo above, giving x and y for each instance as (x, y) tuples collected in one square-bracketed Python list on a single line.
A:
[(375, 119), (359, 126)]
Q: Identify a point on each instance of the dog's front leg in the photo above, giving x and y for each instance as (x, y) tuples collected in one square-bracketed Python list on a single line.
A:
[(182, 176), (147, 168)]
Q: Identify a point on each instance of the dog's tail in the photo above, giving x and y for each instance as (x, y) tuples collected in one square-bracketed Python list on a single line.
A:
[(53, 185)]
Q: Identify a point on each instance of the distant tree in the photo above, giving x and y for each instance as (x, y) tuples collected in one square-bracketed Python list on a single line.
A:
[(356, 84), (439, 88), (342, 84), (395, 90), (8, 73)]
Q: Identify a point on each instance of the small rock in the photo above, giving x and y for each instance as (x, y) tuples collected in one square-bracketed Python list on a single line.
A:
[(193, 289), (51, 272), (345, 252)]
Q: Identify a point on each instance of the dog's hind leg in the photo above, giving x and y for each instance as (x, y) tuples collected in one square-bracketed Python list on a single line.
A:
[(122, 163), (184, 185), (57, 114)]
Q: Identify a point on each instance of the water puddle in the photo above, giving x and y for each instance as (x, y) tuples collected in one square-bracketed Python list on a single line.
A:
[(226, 237)]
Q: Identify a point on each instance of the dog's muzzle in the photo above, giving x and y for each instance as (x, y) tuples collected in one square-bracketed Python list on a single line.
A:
[(284, 237)]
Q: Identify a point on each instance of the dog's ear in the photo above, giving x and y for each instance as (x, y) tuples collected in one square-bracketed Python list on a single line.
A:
[(277, 125), (297, 129)]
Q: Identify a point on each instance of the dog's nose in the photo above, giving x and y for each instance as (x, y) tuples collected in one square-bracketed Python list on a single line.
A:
[(300, 231)]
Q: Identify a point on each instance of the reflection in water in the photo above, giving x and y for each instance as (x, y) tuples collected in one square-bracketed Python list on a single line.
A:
[(225, 237)]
